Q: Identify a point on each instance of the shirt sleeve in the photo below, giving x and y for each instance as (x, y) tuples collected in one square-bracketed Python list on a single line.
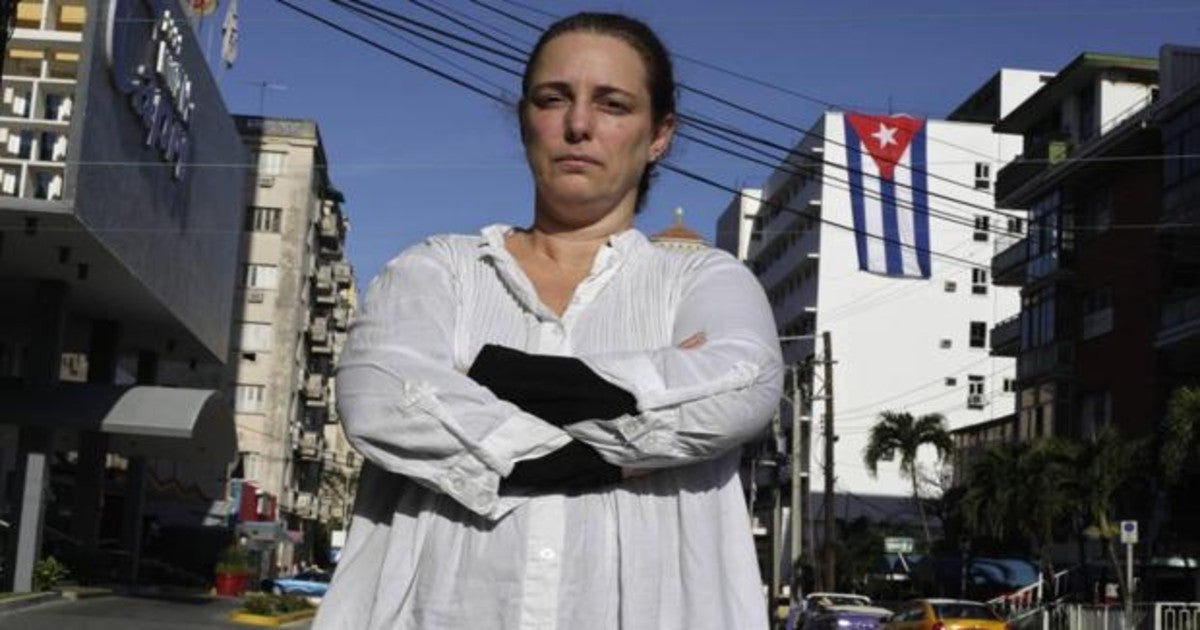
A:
[(695, 404), (406, 407)]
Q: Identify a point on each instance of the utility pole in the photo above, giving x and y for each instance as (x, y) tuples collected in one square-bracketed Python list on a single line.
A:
[(828, 568), (797, 540)]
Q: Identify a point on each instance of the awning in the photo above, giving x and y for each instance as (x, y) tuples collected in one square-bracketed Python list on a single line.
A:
[(152, 421)]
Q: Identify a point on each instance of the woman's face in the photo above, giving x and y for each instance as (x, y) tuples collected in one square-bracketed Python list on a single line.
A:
[(588, 128)]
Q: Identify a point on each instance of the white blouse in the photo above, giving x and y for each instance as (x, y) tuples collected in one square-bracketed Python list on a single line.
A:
[(433, 545)]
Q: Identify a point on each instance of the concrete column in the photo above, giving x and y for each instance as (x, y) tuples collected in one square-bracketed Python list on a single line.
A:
[(48, 317), (93, 445), (131, 517)]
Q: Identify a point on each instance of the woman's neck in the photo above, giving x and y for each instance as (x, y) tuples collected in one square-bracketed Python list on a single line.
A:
[(572, 246)]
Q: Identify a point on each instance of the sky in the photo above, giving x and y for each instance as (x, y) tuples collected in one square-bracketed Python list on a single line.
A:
[(416, 155)]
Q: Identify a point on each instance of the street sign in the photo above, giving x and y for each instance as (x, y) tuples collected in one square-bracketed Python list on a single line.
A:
[(1129, 532), (898, 545)]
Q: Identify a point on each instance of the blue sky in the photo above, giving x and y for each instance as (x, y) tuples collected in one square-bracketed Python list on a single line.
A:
[(416, 155)]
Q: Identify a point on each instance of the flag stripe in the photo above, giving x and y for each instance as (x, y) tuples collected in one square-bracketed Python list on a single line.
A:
[(891, 231), (920, 194), (855, 162)]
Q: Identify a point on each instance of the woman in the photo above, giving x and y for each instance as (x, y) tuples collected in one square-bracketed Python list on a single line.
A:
[(442, 536)]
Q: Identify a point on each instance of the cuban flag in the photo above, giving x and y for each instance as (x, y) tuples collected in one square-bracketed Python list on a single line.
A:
[(888, 193)]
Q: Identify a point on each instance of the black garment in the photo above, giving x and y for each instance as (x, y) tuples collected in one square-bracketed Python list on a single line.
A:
[(561, 391)]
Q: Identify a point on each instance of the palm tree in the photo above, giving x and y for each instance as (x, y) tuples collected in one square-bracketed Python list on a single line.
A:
[(899, 432), (1024, 489)]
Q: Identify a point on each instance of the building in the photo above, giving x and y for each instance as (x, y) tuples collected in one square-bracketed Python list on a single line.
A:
[(1076, 273), (917, 345), (295, 300), (118, 250), (1109, 324)]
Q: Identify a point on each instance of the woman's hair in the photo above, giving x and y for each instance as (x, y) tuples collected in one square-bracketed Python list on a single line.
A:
[(660, 78)]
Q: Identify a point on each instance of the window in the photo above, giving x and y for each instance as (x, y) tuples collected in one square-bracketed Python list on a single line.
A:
[(982, 223), (255, 337), (1016, 225), (260, 219), (271, 163), (946, 344), (1097, 312), (978, 334), (250, 398), (951, 381), (975, 385), (979, 280), (1010, 385), (261, 276), (981, 227), (951, 286), (983, 175)]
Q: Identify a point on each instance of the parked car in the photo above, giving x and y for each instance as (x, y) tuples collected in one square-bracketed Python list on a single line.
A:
[(828, 611), (310, 583), (945, 614)]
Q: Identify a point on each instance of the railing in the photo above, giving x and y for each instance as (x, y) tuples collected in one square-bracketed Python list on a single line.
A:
[(1006, 336), (1031, 599), (1179, 311), (1177, 616), (1058, 356)]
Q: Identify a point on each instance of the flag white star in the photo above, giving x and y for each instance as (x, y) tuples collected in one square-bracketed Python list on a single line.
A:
[(886, 135)]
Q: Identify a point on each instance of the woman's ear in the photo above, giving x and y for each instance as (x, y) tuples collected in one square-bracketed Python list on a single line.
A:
[(663, 134)]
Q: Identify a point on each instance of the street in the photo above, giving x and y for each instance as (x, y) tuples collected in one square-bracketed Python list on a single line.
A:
[(129, 613)]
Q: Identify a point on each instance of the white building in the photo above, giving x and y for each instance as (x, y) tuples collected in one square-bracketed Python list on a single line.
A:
[(917, 345)]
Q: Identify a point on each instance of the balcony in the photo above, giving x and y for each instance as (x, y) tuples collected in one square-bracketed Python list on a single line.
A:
[(309, 445), (1052, 359), (316, 392), (341, 318), (1008, 266), (1178, 320), (318, 331), (342, 274), (1006, 337), (1039, 157), (328, 228)]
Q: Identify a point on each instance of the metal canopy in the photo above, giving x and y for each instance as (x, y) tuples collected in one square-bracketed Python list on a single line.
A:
[(151, 421)]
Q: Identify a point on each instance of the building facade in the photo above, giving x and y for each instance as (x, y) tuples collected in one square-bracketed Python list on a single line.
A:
[(118, 246), (296, 298)]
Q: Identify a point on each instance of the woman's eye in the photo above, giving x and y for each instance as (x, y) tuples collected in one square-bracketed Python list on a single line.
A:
[(615, 106), (546, 100)]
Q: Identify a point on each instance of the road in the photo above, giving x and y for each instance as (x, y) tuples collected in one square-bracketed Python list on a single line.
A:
[(129, 613)]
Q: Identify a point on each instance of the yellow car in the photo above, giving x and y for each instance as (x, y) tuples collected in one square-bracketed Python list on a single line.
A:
[(944, 614)]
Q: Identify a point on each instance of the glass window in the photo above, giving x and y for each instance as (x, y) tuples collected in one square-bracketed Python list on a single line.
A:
[(983, 175), (255, 337), (978, 336), (979, 280), (260, 219), (250, 398), (271, 163), (981, 227), (262, 276)]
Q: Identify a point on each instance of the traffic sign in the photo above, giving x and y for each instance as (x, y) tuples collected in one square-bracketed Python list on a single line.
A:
[(1129, 532), (898, 545)]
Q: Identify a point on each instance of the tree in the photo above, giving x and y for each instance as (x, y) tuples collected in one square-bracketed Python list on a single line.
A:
[(1022, 488), (899, 433), (1105, 465)]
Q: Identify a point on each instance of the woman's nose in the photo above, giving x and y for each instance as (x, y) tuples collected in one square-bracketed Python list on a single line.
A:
[(578, 125)]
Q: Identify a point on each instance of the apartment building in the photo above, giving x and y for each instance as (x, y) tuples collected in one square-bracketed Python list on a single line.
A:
[(295, 300), (916, 344), (118, 249)]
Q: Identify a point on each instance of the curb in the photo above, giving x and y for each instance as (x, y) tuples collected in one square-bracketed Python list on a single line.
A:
[(270, 621), (75, 593), (17, 602)]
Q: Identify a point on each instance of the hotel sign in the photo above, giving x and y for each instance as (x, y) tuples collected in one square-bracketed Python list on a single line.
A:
[(144, 47)]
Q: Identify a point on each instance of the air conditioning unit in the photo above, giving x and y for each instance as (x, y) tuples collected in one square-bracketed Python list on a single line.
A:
[(975, 401), (255, 296), (266, 182)]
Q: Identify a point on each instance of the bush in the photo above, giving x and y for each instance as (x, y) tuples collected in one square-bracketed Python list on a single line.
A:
[(48, 572), (272, 604), (233, 559)]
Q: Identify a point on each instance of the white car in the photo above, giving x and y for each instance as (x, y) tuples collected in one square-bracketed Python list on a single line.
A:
[(825, 608)]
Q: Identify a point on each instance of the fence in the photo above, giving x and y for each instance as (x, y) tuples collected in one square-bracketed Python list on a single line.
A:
[(1148, 616)]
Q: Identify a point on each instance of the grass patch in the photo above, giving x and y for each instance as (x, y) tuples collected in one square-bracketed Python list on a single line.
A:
[(272, 604)]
